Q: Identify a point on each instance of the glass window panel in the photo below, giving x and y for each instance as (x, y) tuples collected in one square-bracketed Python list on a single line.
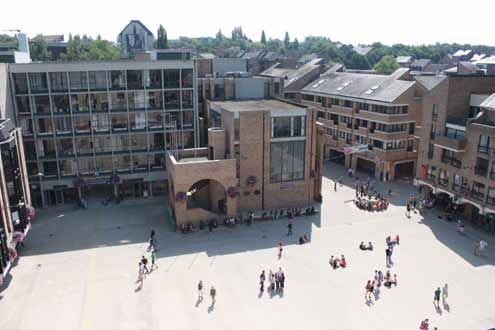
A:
[(59, 82), (61, 104), (80, 102), (135, 79), (155, 79), (97, 80), (119, 102), (155, 100), (137, 100), (117, 79), (172, 100), (38, 82), (21, 83), (171, 78), (42, 105), (23, 104), (187, 100), (187, 78), (78, 81)]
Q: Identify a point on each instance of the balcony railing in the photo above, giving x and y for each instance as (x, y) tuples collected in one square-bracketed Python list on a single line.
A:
[(443, 182), (477, 195), (452, 161), (484, 149)]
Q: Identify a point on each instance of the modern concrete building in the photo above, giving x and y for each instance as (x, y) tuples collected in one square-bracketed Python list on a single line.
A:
[(261, 155), (456, 158), (135, 38), (102, 127), (377, 111), (16, 51)]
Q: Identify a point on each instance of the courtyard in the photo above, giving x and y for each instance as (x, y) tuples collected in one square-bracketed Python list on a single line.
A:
[(78, 270)]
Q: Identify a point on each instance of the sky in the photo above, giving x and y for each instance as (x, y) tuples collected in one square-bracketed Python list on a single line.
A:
[(348, 21)]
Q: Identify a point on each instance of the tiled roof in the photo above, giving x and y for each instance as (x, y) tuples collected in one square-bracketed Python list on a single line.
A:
[(291, 75), (361, 86), (430, 82)]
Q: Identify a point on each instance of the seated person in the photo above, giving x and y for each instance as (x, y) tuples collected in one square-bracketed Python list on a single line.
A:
[(362, 246), (370, 246), (334, 262), (301, 240), (306, 239), (343, 263)]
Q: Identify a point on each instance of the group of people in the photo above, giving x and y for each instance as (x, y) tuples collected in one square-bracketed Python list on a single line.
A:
[(276, 281), (144, 262), (365, 247), (379, 203), (303, 239), (444, 292), (337, 262), (213, 293), (373, 286)]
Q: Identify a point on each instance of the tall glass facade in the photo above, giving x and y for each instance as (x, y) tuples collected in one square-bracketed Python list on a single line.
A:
[(108, 121)]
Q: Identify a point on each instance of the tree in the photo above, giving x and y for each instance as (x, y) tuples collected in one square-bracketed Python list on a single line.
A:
[(162, 40), (286, 40), (219, 36), (356, 61), (263, 37), (237, 34), (5, 38), (38, 50), (87, 49), (296, 44), (386, 65)]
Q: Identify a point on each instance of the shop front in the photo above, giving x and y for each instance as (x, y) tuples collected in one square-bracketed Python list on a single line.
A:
[(134, 188)]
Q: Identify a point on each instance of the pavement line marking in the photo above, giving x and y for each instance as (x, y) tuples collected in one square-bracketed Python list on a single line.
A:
[(192, 262)]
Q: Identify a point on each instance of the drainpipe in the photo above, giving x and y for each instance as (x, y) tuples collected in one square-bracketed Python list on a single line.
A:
[(263, 165)]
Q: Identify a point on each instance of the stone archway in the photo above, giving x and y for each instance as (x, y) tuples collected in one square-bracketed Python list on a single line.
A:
[(207, 194)]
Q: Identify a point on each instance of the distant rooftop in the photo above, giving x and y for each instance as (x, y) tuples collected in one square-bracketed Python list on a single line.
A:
[(362, 50), (256, 105), (361, 86), (489, 103), (291, 75), (404, 59), (430, 82)]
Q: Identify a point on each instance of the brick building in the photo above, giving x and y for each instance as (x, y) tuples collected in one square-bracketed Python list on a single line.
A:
[(456, 157), (261, 155), (379, 111)]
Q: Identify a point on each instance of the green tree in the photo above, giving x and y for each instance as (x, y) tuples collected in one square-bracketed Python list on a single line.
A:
[(287, 40), (386, 65), (38, 50), (5, 38), (263, 37), (296, 44), (219, 36), (87, 49), (162, 40), (356, 61)]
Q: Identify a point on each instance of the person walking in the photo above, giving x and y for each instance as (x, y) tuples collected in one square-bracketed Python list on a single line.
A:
[(262, 281), (153, 259), (408, 210), (282, 280), (289, 228), (369, 290), (140, 275), (200, 290), (280, 243), (349, 172), (388, 256), (213, 294), (271, 280), (144, 261), (335, 185), (151, 240), (445, 293), (436, 298)]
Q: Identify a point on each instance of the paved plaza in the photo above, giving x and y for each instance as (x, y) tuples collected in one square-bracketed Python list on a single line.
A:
[(78, 270)]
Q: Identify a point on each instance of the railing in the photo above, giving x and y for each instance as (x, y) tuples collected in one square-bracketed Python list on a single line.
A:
[(477, 195), (452, 161), (481, 171), (483, 149), (443, 182)]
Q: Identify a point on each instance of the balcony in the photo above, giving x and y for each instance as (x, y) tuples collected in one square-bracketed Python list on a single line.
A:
[(452, 144), (477, 195), (452, 161), (374, 116), (484, 150)]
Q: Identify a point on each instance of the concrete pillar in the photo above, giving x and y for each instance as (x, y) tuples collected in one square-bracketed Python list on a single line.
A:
[(150, 189)]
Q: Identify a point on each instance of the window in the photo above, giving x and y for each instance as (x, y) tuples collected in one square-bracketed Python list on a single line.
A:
[(484, 144), (449, 157), (334, 101), (78, 81), (155, 79), (363, 106), (276, 88), (61, 104), (431, 149), (490, 196), (42, 105), (434, 112), (492, 171), (58, 81), (23, 104), (395, 145), (453, 133), (288, 126), (187, 99), (378, 144), (20, 82), (360, 139), (411, 128), (135, 79), (172, 100), (430, 173), (456, 182), (410, 145), (97, 80), (443, 177), (478, 190), (117, 79), (187, 78), (347, 104), (287, 161), (481, 167), (433, 132), (38, 82), (171, 78)]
